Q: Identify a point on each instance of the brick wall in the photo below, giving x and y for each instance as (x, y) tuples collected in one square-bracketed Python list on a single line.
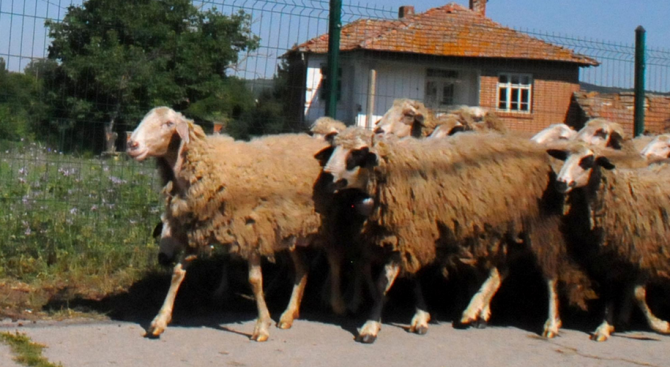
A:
[(551, 97)]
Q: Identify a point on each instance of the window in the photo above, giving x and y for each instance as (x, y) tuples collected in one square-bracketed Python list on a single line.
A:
[(324, 85), (440, 88), (514, 92)]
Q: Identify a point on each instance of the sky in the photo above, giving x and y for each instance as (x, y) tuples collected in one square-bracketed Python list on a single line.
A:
[(284, 23), (609, 20)]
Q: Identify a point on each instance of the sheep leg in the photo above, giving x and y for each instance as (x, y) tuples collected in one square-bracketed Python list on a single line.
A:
[(363, 276), (336, 299), (421, 316), (164, 316), (479, 307), (368, 333), (553, 323), (656, 324), (220, 293), (261, 330), (293, 310), (605, 329)]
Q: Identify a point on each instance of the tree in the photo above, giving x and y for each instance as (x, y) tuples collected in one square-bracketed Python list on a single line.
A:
[(119, 58), (20, 104)]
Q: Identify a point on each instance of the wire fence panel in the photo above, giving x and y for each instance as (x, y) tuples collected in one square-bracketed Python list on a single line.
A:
[(76, 77)]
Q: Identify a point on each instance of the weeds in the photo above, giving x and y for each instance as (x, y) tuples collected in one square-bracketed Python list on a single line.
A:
[(27, 352), (82, 224)]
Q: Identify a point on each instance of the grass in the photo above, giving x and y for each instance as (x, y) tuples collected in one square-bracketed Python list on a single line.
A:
[(27, 352), (73, 226)]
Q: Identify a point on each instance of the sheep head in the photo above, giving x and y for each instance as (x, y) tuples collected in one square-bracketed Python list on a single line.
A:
[(554, 132), (405, 118), (658, 149), (325, 128), (578, 166), (601, 133), (350, 159), (160, 131)]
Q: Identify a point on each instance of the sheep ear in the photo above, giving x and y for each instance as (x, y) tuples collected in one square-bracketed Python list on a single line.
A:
[(558, 154), (157, 230), (182, 130), (324, 155), (616, 140), (330, 137), (370, 159), (605, 163)]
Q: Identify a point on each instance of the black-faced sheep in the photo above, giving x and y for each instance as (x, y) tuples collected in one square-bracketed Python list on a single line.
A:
[(255, 197), (466, 201), (618, 225)]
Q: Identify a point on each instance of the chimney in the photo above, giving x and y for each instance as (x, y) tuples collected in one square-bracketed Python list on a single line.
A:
[(478, 6), (406, 11)]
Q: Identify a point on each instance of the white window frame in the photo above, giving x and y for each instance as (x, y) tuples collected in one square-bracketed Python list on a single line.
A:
[(509, 87)]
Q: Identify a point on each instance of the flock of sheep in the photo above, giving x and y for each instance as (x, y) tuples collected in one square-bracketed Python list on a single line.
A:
[(454, 190)]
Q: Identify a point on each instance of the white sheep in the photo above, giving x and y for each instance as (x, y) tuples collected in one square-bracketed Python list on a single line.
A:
[(255, 197)]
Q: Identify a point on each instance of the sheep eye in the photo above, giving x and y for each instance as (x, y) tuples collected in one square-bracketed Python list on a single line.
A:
[(169, 123), (356, 158), (587, 162)]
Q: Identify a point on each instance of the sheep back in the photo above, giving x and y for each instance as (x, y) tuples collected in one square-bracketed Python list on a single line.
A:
[(254, 195)]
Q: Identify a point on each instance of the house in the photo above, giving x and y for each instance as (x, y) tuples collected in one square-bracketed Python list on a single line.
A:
[(619, 107), (446, 56)]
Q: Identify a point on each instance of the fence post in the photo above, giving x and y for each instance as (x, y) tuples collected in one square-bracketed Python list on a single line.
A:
[(640, 35), (334, 27), (372, 82)]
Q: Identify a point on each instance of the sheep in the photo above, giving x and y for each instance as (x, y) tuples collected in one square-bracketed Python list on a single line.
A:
[(424, 211), (554, 132), (411, 118), (657, 149), (254, 197), (325, 128), (618, 224)]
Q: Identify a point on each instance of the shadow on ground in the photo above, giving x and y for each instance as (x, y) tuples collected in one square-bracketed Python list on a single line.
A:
[(521, 301)]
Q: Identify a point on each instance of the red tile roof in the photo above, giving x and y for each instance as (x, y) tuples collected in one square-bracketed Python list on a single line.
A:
[(450, 30), (618, 107)]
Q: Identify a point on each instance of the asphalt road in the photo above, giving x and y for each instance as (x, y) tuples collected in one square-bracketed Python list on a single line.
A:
[(223, 341)]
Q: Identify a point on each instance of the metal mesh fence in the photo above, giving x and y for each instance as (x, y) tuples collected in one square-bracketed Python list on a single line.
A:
[(56, 185)]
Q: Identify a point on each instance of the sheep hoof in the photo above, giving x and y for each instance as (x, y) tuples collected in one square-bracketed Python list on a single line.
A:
[(549, 334), (480, 324), (368, 333), (285, 324), (603, 332), (366, 339), (261, 332), (599, 337), (421, 329)]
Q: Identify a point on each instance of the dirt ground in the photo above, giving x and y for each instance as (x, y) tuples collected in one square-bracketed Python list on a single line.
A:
[(222, 340)]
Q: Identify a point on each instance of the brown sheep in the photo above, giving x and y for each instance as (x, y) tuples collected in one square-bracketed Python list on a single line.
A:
[(425, 210), (618, 222), (254, 197)]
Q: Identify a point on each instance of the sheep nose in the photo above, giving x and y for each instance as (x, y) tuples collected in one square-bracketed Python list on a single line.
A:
[(379, 130), (563, 186), (133, 144)]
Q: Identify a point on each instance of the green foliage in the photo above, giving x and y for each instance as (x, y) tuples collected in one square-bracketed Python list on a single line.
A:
[(69, 220), (271, 114), (120, 58), (20, 105), (27, 352)]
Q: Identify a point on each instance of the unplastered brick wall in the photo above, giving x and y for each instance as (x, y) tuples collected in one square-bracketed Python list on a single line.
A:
[(551, 97)]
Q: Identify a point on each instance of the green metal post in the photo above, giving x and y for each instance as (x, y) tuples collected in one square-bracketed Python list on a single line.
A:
[(334, 28), (640, 35)]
